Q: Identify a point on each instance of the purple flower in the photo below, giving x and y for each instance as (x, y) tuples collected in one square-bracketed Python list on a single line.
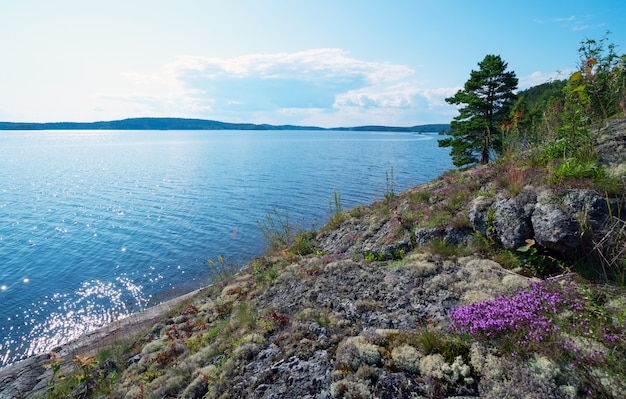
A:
[(530, 313)]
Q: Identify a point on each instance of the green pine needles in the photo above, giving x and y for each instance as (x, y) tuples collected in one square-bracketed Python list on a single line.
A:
[(486, 100)]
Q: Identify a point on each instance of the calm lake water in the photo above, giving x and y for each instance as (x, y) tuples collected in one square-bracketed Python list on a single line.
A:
[(95, 225)]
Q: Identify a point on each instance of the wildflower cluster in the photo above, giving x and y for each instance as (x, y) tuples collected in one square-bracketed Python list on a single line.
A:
[(528, 315)]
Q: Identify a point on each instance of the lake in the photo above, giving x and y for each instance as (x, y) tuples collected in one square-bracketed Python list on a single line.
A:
[(96, 225)]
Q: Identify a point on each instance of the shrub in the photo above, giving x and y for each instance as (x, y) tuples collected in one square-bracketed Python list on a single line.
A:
[(303, 244)]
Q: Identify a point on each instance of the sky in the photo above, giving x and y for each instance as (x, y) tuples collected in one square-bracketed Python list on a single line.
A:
[(326, 63)]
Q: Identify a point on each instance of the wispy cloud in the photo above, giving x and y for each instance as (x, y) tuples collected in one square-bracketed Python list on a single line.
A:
[(574, 23), (565, 19)]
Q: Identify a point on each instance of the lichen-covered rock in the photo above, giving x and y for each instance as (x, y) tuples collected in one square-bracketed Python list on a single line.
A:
[(555, 228), (611, 144), (297, 378), (512, 222), (591, 207), (448, 234), (478, 213)]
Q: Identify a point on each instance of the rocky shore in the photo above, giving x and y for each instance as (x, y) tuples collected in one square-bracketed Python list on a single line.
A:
[(31, 376), (361, 307)]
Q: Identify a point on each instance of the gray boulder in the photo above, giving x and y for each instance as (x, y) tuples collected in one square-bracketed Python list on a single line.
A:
[(512, 219), (591, 207), (555, 228), (478, 214)]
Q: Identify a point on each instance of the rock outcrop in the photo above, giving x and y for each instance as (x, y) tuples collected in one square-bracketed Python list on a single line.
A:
[(364, 316), (554, 221)]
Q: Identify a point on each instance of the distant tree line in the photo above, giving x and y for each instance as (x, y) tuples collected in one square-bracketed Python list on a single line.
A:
[(200, 124)]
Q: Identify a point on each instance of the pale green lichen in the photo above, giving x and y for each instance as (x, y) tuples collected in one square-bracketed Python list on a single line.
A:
[(356, 351), (152, 347), (477, 356), (435, 366), (347, 389), (418, 265), (610, 384), (540, 376), (406, 358), (512, 282), (474, 296), (543, 368)]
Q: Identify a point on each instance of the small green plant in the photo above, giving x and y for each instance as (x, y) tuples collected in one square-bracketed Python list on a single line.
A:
[(55, 363), (221, 271), (420, 197), (575, 169), (445, 249), (276, 229), (303, 244), (538, 261), (243, 316), (337, 215), (389, 185), (373, 256), (490, 220), (264, 272), (85, 365)]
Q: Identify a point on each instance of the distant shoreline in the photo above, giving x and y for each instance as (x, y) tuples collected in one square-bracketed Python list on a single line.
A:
[(204, 124)]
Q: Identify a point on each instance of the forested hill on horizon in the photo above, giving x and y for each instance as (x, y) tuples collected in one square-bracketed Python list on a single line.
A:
[(201, 124)]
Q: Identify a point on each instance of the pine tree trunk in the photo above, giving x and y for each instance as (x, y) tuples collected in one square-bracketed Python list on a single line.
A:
[(484, 154)]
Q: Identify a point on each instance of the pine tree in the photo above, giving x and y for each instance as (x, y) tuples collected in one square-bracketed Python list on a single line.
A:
[(487, 97)]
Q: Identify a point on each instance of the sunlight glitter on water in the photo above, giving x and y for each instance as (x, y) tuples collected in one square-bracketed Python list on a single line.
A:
[(123, 218), (94, 305)]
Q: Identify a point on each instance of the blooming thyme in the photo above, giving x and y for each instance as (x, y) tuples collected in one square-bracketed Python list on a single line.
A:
[(528, 314)]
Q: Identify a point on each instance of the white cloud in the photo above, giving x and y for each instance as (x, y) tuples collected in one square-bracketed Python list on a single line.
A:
[(538, 77), (325, 87), (403, 95)]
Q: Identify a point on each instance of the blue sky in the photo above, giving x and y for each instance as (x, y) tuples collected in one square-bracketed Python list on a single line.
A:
[(323, 62)]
